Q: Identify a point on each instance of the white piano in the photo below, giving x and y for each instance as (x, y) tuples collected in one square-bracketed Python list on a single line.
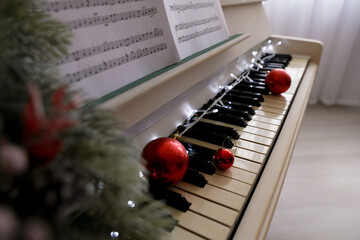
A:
[(237, 203)]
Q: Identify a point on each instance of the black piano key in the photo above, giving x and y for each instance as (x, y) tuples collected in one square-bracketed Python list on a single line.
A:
[(274, 65), (258, 80), (195, 178), (234, 112), (196, 150), (228, 131), (239, 106), (242, 99), (252, 88), (210, 137), (255, 83), (258, 96), (201, 164), (226, 118), (171, 198), (283, 61), (257, 74)]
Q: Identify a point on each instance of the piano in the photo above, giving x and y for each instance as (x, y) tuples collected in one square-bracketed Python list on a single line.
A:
[(237, 203)]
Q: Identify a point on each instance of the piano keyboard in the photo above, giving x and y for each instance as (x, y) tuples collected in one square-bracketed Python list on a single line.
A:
[(217, 207)]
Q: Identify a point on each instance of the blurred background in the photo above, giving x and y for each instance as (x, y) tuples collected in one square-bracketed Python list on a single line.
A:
[(321, 193)]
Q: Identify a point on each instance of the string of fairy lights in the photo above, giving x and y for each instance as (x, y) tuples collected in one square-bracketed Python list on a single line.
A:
[(256, 64)]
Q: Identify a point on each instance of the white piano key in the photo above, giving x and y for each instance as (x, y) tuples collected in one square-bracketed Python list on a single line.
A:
[(229, 184), (266, 120), (179, 233), (247, 154), (209, 209), (271, 109), (263, 125), (257, 131), (269, 115), (238, 174), (247, 165), (241, 143), (277, 105), (281, 97), (276, 100), (255, 138), (201, 225), (215, 194)]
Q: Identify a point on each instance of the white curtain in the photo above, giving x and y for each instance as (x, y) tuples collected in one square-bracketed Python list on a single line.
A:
[(336, 23)]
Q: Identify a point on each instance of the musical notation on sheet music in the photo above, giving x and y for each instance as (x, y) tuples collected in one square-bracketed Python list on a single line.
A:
[(106, 65), (76, 4), (195, 23), (197, 34), (111, 18), (108, 46), (184, 7)]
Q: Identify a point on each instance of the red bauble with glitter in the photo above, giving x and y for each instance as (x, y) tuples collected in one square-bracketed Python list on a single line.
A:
[(278, 81), (223, 158), (167, 161)]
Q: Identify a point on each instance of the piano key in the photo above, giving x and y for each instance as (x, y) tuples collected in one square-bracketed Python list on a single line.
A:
[(248, 129), (204, 126), (270, 115), (201, 152), (252, 83), (234, 112), (215, 194), (195, 178), (278, 100), (278, 105), (201, 165), (256, 138), (263, 125), (250, 155), (171, 198), (242, 99), (252, 88), (267, 120), (271, 109), (237, 121), (203, 226), (252, 146), (209, 209), (215, 138), (238, 174), (258, 96), (229, 184), (247, 165), (239, 106), (180, 234)]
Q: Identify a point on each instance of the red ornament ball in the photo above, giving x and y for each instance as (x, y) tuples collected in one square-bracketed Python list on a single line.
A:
[(278, 81), (167, 161), (223, 158)]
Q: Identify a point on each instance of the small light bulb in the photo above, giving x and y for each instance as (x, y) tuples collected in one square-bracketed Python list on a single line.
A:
[(131, 203), (114, 234)]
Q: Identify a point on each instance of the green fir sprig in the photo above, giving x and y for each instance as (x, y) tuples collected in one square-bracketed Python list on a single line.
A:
[(95, 184)]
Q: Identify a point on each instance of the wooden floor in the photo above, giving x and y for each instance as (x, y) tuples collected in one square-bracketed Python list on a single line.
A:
[(321, 194)]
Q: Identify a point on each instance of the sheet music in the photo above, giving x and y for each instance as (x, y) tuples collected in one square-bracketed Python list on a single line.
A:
[(115, 42), (195, 24)]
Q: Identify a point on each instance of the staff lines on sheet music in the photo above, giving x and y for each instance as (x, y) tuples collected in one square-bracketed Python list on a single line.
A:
[(190, 6), (107, 65), (195, 23), (77, 4), (112, 18), (197, 34), (107, 46)]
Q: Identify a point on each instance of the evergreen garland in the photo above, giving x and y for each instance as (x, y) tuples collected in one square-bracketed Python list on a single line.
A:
[(67, 171)]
